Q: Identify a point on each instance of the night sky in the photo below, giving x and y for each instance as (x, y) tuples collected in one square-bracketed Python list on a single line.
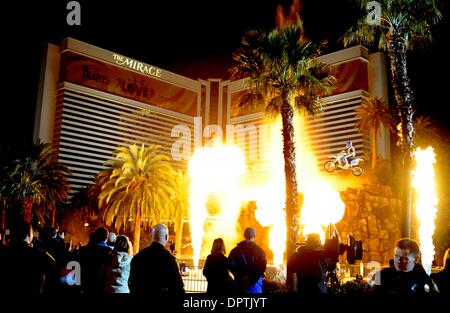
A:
[(191, 38)]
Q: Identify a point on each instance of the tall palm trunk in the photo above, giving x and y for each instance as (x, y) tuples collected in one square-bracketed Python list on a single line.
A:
[(374, 147), (404, 98), (292, 212), (53, 216), (137, 230), (3, 214), (179, 235), (28, 210)]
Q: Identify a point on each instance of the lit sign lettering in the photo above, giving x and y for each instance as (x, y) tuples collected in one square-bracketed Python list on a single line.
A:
[(136, 65)]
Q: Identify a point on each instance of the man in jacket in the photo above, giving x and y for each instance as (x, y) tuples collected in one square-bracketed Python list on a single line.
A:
[(248, 264), (307, 268), (24, 269), (154, 270), (407, 276)]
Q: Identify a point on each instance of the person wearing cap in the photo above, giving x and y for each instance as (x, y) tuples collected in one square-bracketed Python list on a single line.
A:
[(248, 264)]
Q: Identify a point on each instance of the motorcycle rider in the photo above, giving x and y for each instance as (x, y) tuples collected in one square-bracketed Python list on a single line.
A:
[(349, 152)]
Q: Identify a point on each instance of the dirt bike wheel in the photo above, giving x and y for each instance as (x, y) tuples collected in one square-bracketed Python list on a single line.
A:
[(357, 170), (329, 166)]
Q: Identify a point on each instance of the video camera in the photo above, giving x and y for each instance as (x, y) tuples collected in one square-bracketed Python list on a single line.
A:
[(334, 248)]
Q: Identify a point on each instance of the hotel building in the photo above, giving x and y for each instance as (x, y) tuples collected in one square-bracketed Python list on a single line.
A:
[(92, 101)]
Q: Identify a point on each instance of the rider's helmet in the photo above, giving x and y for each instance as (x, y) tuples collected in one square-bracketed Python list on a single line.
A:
[(348, 144)]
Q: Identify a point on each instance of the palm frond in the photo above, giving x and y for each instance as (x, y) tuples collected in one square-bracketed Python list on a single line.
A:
[(141, 179), (373, 113), (425, 134), (40, 177), (412, 19), (280, 64)]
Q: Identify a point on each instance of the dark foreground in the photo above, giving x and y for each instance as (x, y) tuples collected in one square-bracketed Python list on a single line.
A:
[(203, 303)]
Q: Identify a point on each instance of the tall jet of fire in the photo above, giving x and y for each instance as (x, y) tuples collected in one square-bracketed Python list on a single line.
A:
[(214, 171), (322, 206), (322, 203), (426, 202), (271, 196)]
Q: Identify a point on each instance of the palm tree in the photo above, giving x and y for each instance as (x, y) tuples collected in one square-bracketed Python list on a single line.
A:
[(85, 200), (403, 25), (281, 71), (27, 191), (139, 188), (5, 166), (425, 134), (40, 181), (373, 113), (54, 177), (181, 205)]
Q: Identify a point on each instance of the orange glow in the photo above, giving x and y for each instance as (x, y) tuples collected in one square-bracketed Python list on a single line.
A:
[(221, 171), (322, 205), (215, 171), (426, 202)]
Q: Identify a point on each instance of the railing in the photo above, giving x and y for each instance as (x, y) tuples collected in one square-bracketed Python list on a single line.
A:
[(193, 279), (366, 270), (195, 282)]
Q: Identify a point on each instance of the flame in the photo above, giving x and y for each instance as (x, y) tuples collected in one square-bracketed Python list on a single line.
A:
[(322, 205), (426, 202), (219, 170), (214, 171), (293, 16), (270, 199), (270, 212)]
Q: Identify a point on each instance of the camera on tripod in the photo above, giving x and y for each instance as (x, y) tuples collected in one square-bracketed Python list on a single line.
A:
[(353, 248)]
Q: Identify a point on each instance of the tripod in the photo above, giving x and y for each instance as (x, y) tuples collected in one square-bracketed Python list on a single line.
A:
[(332, 281)]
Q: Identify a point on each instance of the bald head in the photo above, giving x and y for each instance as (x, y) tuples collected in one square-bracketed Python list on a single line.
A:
[(160, 234)]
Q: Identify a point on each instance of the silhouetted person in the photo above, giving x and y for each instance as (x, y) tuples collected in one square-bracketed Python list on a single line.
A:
[(407, 276), (92, 259), (23, 268), (248, 264), (442, 278), (216, 270), (391, 263), (154, 270), (52, 243), (307, 267), (117, 267), (172, 247)]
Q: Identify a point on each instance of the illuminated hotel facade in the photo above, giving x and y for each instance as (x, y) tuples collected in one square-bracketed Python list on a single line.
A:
[(92, 101)]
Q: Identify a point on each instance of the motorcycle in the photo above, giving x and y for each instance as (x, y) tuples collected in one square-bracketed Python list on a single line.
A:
[(353, 165)]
